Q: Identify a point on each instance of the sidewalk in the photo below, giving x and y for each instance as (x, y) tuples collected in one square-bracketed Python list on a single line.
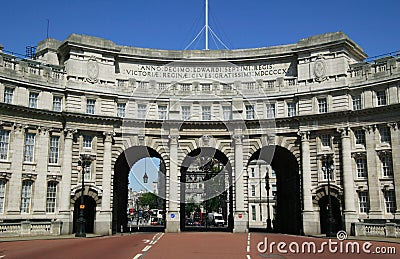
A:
[(28, 238), (366, 238)]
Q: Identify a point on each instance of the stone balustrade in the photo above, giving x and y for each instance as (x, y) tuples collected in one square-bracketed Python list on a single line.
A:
[(28, 228), (377, 230)]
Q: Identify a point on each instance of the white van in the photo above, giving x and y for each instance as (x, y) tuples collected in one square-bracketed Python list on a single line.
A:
[(215, 219)]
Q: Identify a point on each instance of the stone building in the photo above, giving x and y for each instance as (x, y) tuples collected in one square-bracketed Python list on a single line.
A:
[(314, 111)]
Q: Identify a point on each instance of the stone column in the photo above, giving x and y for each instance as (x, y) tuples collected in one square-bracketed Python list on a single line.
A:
[(375, 194), (42, 158), (103, 222), (173, 198), (65, 188), (350, 214), (310, 217), (16, 158), (240, 214), (395, 139)]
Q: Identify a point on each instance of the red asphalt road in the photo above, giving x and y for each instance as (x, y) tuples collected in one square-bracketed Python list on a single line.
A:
[(183, 245)]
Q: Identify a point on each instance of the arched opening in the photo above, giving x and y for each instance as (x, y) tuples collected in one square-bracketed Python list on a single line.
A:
[(206, 191), (89, 213), (284, 197), (134, 197), (324, 214)]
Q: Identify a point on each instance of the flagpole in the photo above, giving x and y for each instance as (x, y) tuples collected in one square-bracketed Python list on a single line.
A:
[(206, 25)]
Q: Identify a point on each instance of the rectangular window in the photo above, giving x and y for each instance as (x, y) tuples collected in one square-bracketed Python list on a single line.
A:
[(271, 111), (57, 103), (162, 112), (142, 110), (51, 197), (291, 106), (88, 172), (90, 104), (252, 172), (53, 152), (253, 190), (26, 193), (390, 201), (271, 83), (322, 105), (356, 102), (361, 167), (363, 202), (121, 110), (185, 113), (387, 167), (206, 87), (8, 95), (33, 100), (2, 195), (87, 141), (227, 112), (384, 133), (359, 136), (249, 112), (253, 212), (29, 147), (4, 142), (381, 97), (326, 140), (274, 190), (206, 113), (185, 87)]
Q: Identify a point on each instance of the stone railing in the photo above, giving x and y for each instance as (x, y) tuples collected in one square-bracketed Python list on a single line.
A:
[(377, 230), (27, 228)]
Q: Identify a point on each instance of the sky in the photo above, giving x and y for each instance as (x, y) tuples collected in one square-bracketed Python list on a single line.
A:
[(151, 166), (173, 24)]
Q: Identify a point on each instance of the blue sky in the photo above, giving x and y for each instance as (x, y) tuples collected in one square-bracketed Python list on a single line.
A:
[(172, 24), (151, 166)]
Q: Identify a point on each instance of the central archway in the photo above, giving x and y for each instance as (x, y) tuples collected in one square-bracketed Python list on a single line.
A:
[(287, 215), (206, 191), (122, 168)]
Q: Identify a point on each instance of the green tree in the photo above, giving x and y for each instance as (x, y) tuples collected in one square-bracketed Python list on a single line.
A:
[(151, 200)]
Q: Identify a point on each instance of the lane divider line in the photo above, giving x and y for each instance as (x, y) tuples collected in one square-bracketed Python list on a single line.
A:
[(137, 256)]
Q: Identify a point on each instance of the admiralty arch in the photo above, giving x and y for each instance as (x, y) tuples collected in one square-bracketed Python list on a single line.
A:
[(317, 116)]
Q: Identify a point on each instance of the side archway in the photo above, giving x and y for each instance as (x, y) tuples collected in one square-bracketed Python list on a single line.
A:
[(287, 216)]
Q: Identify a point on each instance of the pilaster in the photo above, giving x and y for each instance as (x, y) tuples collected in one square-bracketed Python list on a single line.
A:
[(350, 215), (375, 194), (395, 139)]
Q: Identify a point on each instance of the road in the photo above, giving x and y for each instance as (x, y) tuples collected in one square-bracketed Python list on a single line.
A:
[(197, 245)]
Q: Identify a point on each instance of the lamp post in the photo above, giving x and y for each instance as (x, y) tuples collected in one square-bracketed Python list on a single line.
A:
[(83, 165), (328, 167), (267, 188)]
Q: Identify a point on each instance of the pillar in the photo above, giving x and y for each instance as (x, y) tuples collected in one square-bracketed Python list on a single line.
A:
[(173, 186), (350, 214), (310, 217), (375, 194), (65, 188), (42, 158), (17, 158), (104, 220), (240, 214)]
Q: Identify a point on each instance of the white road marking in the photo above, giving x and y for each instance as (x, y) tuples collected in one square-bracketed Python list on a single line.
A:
[(248, 257), (248, 245), (137, 256), (146, 248), (2, 256), (146, 241)]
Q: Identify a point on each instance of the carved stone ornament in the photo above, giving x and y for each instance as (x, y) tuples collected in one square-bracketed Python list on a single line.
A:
[(92, 70), (320, 69)]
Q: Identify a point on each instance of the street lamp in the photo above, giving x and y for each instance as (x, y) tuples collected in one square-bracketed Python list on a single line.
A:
[(267, 188), (83, 166), (328, 167)]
